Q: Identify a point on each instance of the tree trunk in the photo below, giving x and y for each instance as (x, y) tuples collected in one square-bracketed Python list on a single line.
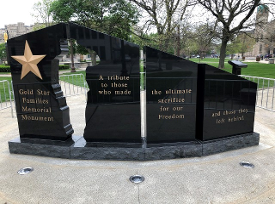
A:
[(223, 53), (93, 58)]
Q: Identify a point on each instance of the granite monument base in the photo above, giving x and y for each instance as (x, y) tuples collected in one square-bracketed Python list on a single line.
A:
[(41, 147), (78, 148)]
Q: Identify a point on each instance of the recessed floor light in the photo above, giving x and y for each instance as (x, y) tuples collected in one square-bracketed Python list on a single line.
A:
[(137, 179), (25, 170), (247, 164)]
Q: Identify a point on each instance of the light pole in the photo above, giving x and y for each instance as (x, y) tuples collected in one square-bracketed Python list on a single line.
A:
[(6, 37), (3, 56)]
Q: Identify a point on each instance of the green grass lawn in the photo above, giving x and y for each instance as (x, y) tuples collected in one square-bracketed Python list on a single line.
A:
[(74, 78), (206, 60), (260, 70), (252, 69)]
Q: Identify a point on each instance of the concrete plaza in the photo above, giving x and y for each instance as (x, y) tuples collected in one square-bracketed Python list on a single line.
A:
[(213, 179)]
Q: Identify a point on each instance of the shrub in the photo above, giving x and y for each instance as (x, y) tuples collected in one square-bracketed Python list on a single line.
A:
[(5, 68), (61, 67)]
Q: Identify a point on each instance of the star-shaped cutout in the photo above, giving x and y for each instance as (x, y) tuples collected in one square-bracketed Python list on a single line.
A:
[(29, 62)]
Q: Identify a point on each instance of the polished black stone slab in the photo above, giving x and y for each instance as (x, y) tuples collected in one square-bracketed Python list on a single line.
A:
[(226, 104), (80, 149), (41, 108), (237, 66), (113, 105), (171, 92), (191, 109)]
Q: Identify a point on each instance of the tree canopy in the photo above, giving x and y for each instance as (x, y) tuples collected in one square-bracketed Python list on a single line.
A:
[(167, 25), (114, 17), (42, 13)]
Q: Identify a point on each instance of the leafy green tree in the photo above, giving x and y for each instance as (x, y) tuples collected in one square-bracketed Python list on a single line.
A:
[(42, 14), (242, 43), (113, 17), (245, 43), (232, 48), (203, 37), (151, 40)]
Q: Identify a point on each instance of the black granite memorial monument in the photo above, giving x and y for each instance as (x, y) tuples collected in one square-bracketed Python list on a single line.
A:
[(41, 108), (191, 109), (113, 108)]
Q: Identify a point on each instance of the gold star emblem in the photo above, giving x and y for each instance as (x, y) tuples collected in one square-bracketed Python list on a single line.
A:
[(29, 62)]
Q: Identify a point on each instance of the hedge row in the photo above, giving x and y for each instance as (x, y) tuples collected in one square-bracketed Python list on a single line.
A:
[(6, 68), (61, 67)]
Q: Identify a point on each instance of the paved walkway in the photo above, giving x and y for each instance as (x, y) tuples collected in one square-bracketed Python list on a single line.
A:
[(262, 61), (212, 179)]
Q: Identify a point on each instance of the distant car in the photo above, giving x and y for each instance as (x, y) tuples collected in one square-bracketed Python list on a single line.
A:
[(268, 55), (198, 56)]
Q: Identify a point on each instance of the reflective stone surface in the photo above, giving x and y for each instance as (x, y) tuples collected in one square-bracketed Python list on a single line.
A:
[(171, 87), (41, 108), (185, 101), (228, 106), (113, 106)]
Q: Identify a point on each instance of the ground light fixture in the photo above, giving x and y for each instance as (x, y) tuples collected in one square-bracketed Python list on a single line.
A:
[(137, 179), (247, 164), (25, 170)]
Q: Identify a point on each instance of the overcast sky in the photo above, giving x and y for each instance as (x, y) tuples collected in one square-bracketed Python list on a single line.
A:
[(13, 11)]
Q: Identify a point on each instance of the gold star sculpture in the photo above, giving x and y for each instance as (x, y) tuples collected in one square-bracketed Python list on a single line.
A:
[(29, 62)]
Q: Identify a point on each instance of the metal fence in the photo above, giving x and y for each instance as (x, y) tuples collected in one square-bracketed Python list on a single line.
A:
[(73, 84), (6, 95), (265, 92)]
